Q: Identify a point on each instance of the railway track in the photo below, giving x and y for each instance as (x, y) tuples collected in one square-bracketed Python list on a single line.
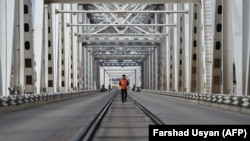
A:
[(118, 121)]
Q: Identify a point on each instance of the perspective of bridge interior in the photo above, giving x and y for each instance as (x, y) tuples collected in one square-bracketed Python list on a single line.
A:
[(187, 63)]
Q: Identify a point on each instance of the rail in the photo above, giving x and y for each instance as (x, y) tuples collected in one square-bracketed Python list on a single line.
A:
[(154, 118), (87, 134)]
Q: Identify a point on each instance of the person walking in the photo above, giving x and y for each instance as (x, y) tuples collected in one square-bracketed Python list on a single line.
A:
[(124, 84)]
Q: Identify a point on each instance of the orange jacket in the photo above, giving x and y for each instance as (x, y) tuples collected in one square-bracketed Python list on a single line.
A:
[(123, 83)]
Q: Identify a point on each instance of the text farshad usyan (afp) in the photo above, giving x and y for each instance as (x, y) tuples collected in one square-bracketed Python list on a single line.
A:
[(187, 132)]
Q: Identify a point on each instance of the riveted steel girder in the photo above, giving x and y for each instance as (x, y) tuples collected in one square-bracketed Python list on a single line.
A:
[(122, 1), (120, 11)]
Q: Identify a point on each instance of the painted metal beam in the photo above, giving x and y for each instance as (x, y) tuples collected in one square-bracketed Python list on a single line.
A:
[(146, 25), (119, 57), (126, 38), (113, 52), (28, 51), (217, 70), (118, 64), (123, 1), (115, 73), (121, 34), (181, 58), (194, 83), (124, 55), (120, 11), (124, 46), (120, 43)]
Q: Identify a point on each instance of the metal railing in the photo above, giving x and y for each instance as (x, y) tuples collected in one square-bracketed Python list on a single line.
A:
[(224, 100), (16, 100)]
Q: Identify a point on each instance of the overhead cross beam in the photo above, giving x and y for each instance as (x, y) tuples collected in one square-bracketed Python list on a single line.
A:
[(120, 64), (129, 47), (120, 11), (119, 57), (68, 24), (122, 55), (123, 1), (117, 50), (119, 34), (120, 52)]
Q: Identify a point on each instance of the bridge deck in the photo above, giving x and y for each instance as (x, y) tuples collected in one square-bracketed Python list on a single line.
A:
[(61, 120)]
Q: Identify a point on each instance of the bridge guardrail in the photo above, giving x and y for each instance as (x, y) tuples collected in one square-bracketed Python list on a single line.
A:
[(219, 99), (16, 100)]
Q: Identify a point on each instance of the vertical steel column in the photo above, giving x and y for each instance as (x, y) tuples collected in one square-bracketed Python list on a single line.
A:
[(9, 33), (152, 74), (147, 70), (38, 39), (63, 52), (59, 52), (80, 51), (3, 47), (48, 64), (94, 73), (68, 47), (79, 67), (227, 68), (142, 85), (247, 85), (194, 60), (156, 69), (75, 51), (246, 47), (85, 55), (71, 55), (135, 78), (98, 79), (19, 52), (175, 51), (207, 47), (111, 82), (85, 68), (180, 43), (68, 51), (167, 50), (85, 51), (161, 53), (156, 62), (171, 52), (104, 78), (187, 42), (26, 48), (161, 71), (91, 71), (171, 64), (44, 72), (16, 49), (201, 54), (241, 42), (151, 66), (218, 49), (163, 59)]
